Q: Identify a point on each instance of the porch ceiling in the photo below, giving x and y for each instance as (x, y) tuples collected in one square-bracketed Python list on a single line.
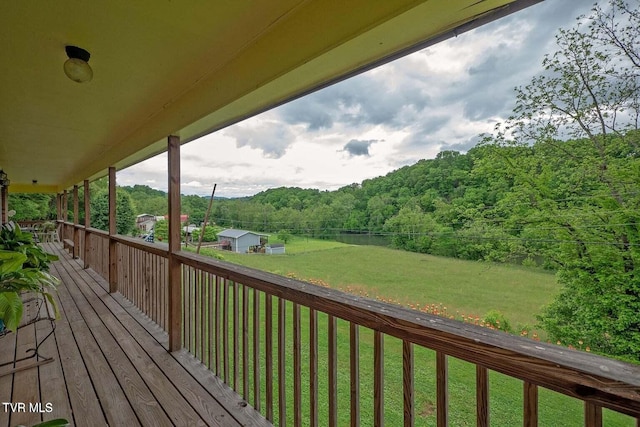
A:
[(165, 67)]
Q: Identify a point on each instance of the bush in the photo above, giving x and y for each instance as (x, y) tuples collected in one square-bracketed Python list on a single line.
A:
[(209, 234), (497, 320)]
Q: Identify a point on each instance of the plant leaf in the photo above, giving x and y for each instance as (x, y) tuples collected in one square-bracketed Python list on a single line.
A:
[(10, 310), (11, 261)]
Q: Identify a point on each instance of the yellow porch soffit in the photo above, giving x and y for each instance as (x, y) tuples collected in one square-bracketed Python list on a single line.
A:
[(185, 68)]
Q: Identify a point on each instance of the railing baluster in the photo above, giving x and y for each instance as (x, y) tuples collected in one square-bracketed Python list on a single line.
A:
[(145, 281), (269, 354), (192, 310), (245, 342), (592, 415), (151, 285), (225, 330), (165, 293), (236, 337), (191, 314), (333, 371), (256, 349), (282, 368), (211, 283), (530, 405), (313, 368), (139, 266), (147, 259), (408, 383), (354, 362), (185, 308), (218, 327), (197, 314), (157, 288), (378, 379), (442, 379), (138, 279), (297, 368), (482, 396), (203, 315)]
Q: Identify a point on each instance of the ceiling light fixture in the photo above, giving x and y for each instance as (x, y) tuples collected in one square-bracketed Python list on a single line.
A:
[(77, 67)]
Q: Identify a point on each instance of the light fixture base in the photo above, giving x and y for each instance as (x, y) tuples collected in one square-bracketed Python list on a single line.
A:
[(77, 67)]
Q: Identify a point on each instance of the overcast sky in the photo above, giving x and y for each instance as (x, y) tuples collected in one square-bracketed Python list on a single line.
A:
[(440, 98)]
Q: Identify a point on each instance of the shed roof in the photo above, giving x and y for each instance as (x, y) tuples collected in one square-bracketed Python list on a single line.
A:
[(235, 233)]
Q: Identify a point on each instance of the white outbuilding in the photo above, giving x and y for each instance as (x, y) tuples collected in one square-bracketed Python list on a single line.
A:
[(242, 241)]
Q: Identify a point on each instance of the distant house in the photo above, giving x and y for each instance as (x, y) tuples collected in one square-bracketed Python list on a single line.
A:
[(183, 218), (145, 222), (242, 241)]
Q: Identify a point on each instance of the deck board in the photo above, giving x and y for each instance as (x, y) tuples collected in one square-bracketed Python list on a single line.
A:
[(7, 352), (28, 380), (49, 390), (112, 366)]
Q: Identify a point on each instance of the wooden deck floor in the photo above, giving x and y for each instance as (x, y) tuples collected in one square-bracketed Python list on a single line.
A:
[(111, 367)]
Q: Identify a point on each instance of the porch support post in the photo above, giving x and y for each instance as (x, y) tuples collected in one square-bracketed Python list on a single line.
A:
[(4, 200), (87, 222), (65, 206), (76, 212), (113, 256), (5, 204), (58, 207), (175, 276)]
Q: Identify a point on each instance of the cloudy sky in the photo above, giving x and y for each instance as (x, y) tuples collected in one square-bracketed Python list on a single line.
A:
[(440, 98)]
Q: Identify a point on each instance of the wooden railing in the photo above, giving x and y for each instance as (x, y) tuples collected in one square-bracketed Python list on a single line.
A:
[(143, 277), (282, 344), (246, 326), (96, 253)]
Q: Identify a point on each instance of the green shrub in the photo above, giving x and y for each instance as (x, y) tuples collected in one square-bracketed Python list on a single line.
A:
[(497, 320)]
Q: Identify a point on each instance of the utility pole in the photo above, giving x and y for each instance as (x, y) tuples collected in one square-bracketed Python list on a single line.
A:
[(206, 219)]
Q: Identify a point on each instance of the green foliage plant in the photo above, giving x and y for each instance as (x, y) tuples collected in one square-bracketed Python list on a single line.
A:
[(125, 217), (209, 234), (284, 236), (23, 268), (18, 241), (14, 279), (161, 230), (497, 320)]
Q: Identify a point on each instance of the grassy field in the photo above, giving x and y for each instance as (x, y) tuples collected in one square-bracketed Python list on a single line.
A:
[(463, 287)]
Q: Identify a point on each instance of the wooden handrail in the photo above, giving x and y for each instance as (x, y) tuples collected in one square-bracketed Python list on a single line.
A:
[(606, 382), (154, 248)]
